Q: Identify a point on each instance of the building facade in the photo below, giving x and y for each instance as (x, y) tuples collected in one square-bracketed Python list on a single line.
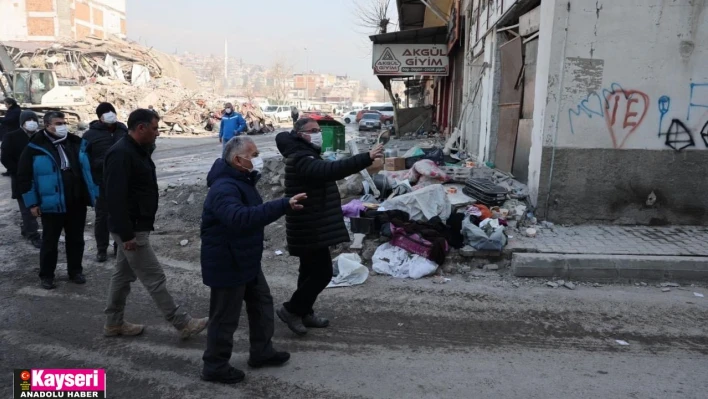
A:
[(56, 20), (601, 107)]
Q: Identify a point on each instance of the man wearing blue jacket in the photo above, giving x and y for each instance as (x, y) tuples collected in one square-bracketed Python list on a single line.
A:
[(232, 124), (232, 235), (54, 175)]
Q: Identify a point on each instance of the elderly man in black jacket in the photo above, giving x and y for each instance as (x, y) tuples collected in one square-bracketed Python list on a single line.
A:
[(320, 225), (132, 197), (12, 147), (102, 135), (232, 246)]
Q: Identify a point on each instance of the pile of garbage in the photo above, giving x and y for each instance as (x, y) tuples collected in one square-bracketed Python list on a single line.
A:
[(257, 122), (420, 206)]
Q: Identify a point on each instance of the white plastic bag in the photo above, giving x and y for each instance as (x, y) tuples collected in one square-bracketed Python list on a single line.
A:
[(399, 263), (348, 271)]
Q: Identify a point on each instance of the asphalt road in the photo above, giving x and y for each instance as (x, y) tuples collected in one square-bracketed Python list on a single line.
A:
[(475, 337)]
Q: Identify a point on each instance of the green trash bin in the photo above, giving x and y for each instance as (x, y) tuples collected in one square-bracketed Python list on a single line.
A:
[(333, 135)]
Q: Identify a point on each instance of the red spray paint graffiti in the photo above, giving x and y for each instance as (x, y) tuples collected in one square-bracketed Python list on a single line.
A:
[(624, 113)]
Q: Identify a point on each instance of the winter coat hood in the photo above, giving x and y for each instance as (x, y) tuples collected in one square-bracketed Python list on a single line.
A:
[(98, 125), (290, 143)]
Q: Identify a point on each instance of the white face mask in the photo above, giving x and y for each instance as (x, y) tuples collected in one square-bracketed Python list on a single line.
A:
[(316, 139), (31, 126), (61, 131), (109, 118), (227, 110), (257, 164)]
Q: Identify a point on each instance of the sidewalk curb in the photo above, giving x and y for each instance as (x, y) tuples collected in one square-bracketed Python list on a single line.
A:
[(610, 267)]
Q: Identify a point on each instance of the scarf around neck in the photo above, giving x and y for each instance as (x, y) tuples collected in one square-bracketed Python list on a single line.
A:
[(59, 144)]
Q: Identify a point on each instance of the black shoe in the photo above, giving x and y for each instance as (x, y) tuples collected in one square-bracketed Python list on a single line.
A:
[(233, 376), (48, 284), (78, 278), (278, 359), (36, 242), (293, 321), (101, 256), (313, 321)]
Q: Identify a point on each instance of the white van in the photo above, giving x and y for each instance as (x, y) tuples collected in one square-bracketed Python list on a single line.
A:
[(384, 108)]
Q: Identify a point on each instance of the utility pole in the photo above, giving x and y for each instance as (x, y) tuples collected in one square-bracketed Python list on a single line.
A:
[(226, 62)]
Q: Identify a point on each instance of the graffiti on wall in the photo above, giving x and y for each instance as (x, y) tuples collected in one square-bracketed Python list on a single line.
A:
[(679, 136), (625, 110)]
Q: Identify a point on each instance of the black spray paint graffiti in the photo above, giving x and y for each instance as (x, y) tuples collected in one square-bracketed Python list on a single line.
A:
[(678, 136)]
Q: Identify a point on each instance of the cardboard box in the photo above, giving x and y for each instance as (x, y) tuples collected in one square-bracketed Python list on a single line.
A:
[(376, 167), (395, 164)]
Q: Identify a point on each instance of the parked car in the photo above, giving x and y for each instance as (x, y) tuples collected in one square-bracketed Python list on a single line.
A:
[(350, 116), (316, 115), (385, 119), (370, 121), (278, 112), (384, 108)]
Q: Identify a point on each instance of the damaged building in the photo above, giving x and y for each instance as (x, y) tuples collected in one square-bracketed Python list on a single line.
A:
[(605, 121)]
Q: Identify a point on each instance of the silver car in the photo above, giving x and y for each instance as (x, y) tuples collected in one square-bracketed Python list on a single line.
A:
[(370, 121)]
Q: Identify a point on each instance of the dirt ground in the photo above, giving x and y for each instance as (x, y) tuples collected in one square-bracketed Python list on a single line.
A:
[(483, 334)]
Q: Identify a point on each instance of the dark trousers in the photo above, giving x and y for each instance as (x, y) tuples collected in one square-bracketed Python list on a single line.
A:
[(315, 275), (72, 222), (30, 227), (224, 312), (100, 230)]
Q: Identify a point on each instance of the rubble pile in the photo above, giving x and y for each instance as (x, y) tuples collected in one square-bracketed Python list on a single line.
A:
[(257, 121), (181, 110), (129, 76), (91, 58)]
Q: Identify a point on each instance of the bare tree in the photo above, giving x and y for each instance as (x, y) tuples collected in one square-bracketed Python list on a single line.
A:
[(373, 15), (278, 75)]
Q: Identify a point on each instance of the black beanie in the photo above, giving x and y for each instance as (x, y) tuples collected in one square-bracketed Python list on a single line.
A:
[(103, 108)]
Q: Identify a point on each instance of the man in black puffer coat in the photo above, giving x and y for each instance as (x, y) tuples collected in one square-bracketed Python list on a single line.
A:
[(320, 224), (102, 135)]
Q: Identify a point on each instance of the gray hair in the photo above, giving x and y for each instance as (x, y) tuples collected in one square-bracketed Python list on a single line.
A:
[(235, 147), (52, 115)]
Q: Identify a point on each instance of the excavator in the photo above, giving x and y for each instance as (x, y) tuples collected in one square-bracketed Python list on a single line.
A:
[(39, 89)]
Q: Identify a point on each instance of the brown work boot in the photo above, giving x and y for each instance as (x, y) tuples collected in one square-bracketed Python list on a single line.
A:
[(127, 329), (194, 327)]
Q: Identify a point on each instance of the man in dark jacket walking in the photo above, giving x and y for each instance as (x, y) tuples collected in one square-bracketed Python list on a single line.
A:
[(232, 246), (320, 225), (54, 175), (102, 135), (12, 147), (132, 196), (11, 121)]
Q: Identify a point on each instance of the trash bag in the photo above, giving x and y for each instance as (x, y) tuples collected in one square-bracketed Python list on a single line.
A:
[(480, 240), (399, 263), (347, 271), (435, 154)]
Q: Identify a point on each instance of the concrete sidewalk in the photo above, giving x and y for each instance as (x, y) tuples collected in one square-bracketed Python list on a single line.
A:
[(613, 253)]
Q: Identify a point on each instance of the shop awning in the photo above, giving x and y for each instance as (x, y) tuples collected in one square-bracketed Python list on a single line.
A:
[(434, 35)]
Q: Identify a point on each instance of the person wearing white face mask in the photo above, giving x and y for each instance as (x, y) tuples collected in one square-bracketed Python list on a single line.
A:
[(12, 146), (54, 177), (321, 224), (102, 135), (232, 124), (232, 236)]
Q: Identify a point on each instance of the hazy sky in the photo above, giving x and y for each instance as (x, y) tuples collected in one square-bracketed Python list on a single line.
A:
[(260, 32)]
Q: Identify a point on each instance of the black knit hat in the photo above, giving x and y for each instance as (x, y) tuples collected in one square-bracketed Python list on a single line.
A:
[(103, 108)]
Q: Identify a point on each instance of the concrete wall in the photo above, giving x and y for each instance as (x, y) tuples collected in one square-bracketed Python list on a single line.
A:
[(52, 20), (626, 112)]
